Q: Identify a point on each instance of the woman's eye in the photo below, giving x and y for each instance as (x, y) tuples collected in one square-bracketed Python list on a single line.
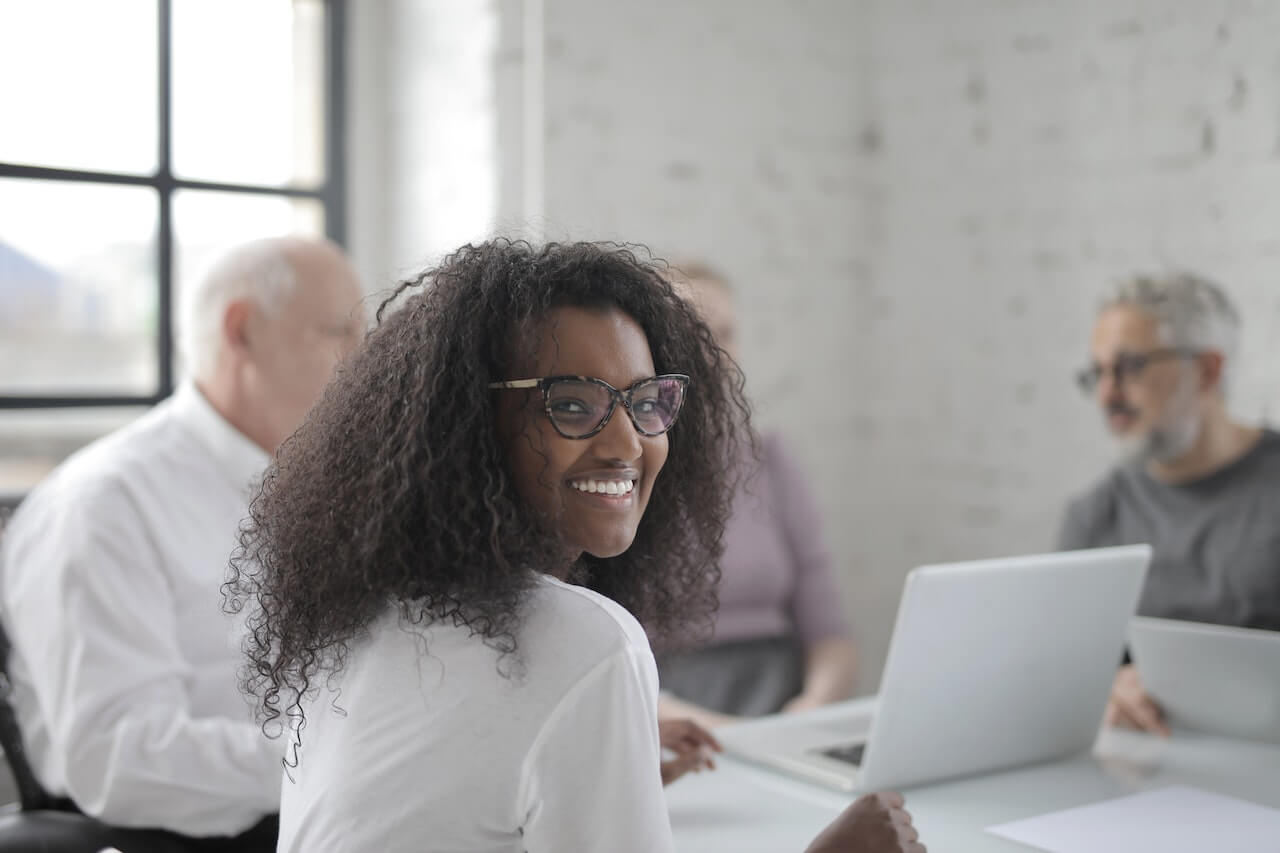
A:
[(569, 407)]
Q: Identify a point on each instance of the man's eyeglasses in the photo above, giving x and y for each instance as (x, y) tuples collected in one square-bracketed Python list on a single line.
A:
[(580, 406), (1127, 366)]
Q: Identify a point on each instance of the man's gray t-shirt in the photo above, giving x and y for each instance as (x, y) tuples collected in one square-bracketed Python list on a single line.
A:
[(1216, 539)]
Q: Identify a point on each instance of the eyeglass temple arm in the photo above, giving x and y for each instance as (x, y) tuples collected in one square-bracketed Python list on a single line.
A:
[(516, 383)]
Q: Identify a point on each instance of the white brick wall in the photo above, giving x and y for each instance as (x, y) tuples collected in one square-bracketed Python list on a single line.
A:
[(919, 203), (423, 131)]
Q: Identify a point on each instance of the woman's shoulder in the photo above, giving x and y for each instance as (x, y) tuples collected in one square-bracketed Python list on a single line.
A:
[(565, 613), (565, 633), (776, 453)]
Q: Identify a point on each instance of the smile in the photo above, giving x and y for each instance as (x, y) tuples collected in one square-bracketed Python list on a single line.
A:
[(604, 487)]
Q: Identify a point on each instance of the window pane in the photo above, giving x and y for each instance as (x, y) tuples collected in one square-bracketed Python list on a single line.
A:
[(78, 289), (79, 86), (33, 441), (248, 91), (206, 225)]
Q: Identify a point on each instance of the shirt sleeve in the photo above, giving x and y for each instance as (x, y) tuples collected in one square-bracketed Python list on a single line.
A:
[(592, 780), (94, 620), (816, 607)]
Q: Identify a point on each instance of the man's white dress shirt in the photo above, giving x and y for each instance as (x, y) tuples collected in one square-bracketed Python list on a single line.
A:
[(124, 664), (431, 740)]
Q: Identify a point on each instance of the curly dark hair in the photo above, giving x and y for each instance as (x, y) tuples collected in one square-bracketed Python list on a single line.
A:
[(396, 490)]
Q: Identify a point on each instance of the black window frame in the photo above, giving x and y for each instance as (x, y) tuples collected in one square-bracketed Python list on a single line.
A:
[(331, 194)]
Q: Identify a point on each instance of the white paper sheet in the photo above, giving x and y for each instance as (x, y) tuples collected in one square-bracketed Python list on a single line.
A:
[(1170, 820)]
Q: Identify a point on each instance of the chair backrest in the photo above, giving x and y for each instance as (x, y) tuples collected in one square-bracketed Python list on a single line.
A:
[(31, 793)]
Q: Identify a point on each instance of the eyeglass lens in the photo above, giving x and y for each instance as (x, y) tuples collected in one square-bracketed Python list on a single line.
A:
[(1125, 368), (577, 407)]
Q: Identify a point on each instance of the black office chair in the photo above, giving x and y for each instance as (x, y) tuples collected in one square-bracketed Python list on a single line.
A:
[(43, 823)]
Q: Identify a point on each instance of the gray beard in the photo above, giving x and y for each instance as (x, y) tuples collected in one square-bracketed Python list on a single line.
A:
[(1167, 442), (1178, 430)]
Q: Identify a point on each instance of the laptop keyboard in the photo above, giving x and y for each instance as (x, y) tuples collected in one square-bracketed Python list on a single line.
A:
[(851, 753)]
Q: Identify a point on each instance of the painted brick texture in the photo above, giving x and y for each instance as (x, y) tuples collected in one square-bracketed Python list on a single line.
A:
[(919, 204)]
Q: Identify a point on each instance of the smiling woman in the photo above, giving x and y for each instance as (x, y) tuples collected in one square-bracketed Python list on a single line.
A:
[(461, 539)]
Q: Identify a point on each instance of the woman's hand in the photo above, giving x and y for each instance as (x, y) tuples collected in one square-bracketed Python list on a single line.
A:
[(802, 702), (690, 745), (875, 823), (1131, 707), (829, 668), (672, 708)]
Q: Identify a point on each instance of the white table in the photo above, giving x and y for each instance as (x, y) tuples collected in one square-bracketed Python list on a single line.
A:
[(742, 808)]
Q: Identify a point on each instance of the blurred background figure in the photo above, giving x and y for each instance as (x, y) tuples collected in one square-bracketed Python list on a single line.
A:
[(780, 641), (1199, 486), (124, 665)]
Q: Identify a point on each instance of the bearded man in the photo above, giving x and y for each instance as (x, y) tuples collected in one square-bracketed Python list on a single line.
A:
[(1200, 487)]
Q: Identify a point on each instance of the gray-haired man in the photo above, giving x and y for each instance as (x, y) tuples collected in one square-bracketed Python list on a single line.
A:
[(1201, 488), (123, 662)]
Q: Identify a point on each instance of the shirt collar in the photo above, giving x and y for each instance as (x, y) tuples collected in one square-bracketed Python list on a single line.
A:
[(237, 455)]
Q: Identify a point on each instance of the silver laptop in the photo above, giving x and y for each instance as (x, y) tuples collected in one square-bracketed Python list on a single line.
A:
[(1211, 678), (993, 663)]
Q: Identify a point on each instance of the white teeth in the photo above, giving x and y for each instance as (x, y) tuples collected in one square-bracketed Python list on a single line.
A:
[(604, 487)]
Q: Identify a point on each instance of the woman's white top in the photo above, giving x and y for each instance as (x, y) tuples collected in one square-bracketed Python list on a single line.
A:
[(429, 739)]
